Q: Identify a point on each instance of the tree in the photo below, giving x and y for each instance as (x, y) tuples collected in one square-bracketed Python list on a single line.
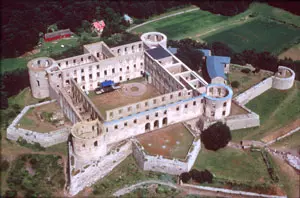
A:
[(221, 49), (52, 28), (191, 57), (185, 177), (216, 136), (235, 84)]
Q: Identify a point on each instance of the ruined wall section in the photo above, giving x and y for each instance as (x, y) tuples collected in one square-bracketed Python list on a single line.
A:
[(128, 48), (84, 174), (161, 78), (79, 97)]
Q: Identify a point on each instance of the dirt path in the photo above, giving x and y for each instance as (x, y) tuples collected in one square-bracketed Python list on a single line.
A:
[(174, 14)]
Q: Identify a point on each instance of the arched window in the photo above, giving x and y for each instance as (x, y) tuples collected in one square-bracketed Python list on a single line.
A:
[(96, 143)]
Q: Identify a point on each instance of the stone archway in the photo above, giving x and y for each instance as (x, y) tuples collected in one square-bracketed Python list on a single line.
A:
[(147, 127), (156, 124), (165, 121)]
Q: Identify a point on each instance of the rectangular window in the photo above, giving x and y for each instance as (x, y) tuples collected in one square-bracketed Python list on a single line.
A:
[(134, 121), (82, 70), (154, 101), (105, 72), (129, 109), (127, 67), (125, 123), (163, 99), (177, 108), (225, 103), (137, 106), (120, 111), (74, 61), (120, 69), (223, 113), (194, 103), (97, 66), (116, 126), (75, 72), (156, 114), (147, 117), (146, 104), (75, 79), (90, 76), (98, 74), (113, 70), (186, 106), (82, 78), (171, 96), (165, 112)]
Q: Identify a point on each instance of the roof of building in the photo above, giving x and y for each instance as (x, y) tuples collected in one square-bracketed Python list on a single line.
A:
[(158, 53), (99, 25), (215, 66), (58, 33), (126, 17)]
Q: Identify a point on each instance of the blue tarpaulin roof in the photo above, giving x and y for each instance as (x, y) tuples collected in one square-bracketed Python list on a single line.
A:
[(215, 66), (107, 83), (126, 17)]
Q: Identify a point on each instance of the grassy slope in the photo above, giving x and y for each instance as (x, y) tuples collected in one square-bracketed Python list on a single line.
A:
[(276, 109), (259, 35), (233, 164), (290, 142), (184, 25)]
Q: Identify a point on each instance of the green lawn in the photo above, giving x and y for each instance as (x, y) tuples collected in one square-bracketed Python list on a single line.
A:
[(233, 164), (184, 25), (258, 34), (276, 109), (10, 64)]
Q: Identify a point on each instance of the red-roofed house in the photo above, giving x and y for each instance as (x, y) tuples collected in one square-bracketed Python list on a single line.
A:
[(98, 27)]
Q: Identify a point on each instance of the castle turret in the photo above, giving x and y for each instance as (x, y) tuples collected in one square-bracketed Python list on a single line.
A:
[(38, 76), (217, 101), (88, 140), (154, 39)]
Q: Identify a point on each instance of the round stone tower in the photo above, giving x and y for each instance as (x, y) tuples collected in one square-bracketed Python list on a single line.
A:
[(38, 76), (217, 101), (88, 140), (154, 39)]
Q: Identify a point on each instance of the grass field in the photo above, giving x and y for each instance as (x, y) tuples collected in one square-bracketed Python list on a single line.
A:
[(276, 109), (258, 34), (184, 25), (233, 164)]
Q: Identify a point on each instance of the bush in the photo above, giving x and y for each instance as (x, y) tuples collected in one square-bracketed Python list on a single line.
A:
[(201, 176), (10, 194), (4, 165), (235, 84), (216, 136), (246, 70), (185, 177)]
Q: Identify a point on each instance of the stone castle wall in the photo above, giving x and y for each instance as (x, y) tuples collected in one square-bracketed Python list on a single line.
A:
[(44, 139), (94, 170)]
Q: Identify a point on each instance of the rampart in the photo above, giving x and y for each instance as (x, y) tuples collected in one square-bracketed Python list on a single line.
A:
[(44, 139), (165, 165)]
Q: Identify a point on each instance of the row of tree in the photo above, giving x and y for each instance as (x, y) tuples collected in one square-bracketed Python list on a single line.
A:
[(262, 60), (197, 176)]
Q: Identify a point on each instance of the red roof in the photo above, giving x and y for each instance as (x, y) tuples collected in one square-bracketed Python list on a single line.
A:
[(99, 25)]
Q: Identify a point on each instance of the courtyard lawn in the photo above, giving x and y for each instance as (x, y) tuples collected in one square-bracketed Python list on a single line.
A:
[(184, 25), (31, 120), (246, 80), (233, 164), (259, 34), (172, 142), (276, 109), (125, 174)]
